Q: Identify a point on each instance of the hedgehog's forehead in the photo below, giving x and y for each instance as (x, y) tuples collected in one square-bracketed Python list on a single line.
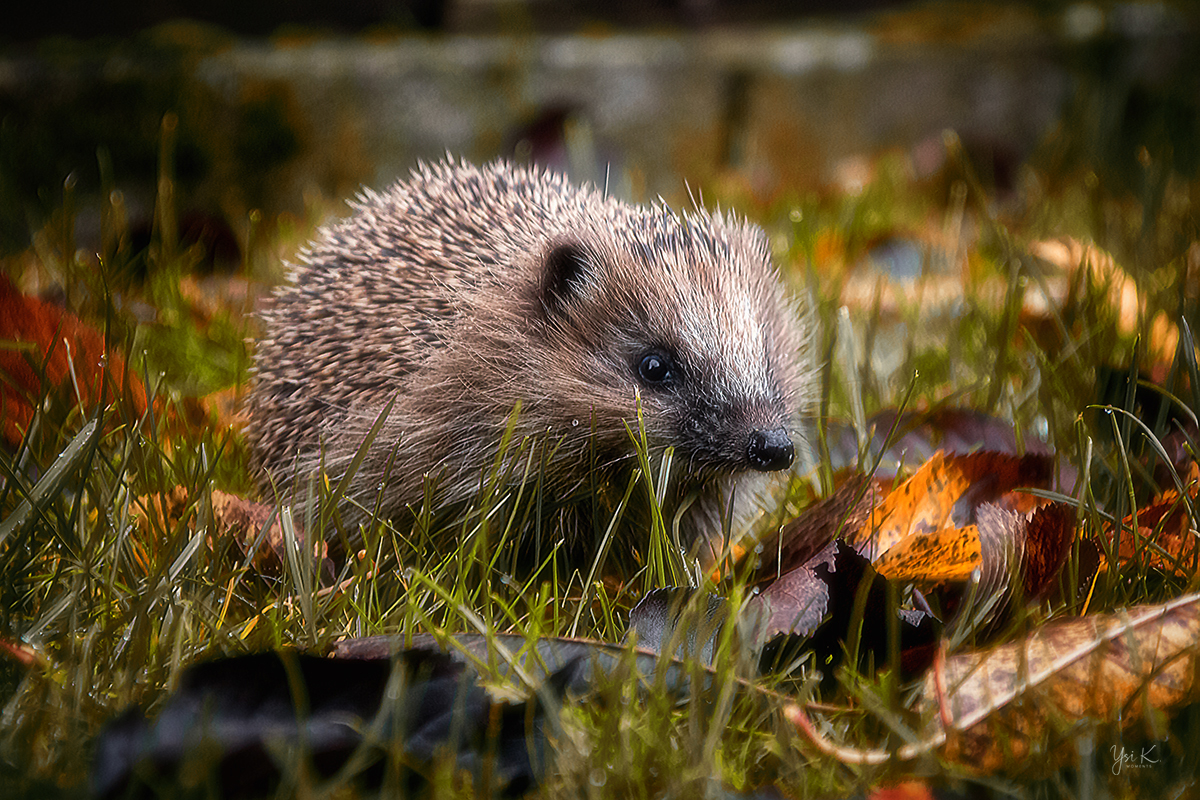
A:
[(696, 240), (702, 287), (685, 249)]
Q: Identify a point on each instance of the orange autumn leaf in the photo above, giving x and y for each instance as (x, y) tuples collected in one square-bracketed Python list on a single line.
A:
[(944, 493), (70, 351), (1165, 536), (906, 790), (1003, 542), (916, 506), (949, 554)]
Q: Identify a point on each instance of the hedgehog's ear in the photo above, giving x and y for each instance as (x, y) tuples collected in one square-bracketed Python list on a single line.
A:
[(567, 274)]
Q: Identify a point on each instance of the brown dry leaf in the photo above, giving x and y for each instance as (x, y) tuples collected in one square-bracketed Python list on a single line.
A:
[(1001, 702), (155, 514), (1046, 542), (1180, 457), (803, 537), (1069, 265), (991, 709), (242, 520), (1165, 536), (235, 518)]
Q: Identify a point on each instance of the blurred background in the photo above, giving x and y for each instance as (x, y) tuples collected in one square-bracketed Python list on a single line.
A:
[(257, 112)]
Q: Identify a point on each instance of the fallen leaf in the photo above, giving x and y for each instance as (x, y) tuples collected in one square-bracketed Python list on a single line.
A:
[(1097, 268), (945, 493), (983, 559), (1046, 541), (797, 541), (1002, 702), (837, 601), (1180, 448), (941, 556), (1164, 536), (65, 350), (236, 519), (913, 437), (906, 790), (991, 709), (679, 621), (236, 726)]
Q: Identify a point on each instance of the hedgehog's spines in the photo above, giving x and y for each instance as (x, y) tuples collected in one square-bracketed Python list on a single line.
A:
[(465, 290)]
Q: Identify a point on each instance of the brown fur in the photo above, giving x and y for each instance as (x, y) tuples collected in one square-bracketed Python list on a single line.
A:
[(464, 291)]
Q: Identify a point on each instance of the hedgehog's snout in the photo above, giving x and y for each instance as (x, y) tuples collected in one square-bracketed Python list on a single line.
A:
[(770, 450)]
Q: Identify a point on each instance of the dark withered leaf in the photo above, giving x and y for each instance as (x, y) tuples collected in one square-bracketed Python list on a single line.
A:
[(1047, 541), (798, 602), (1020, 558), (241, 726), (837, 602), (803, 538), (1181, 448), (679, 621)]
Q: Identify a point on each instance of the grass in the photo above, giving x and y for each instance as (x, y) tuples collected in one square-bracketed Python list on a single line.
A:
[(107, 603)]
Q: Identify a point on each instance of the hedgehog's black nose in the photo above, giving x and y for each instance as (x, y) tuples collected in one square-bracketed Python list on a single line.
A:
[(771, 450)]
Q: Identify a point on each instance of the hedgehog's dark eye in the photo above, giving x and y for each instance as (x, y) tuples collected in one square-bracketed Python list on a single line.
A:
[(655, 369)]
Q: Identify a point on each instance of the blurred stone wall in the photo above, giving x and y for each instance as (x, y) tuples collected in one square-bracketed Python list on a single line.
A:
[(265, 124)]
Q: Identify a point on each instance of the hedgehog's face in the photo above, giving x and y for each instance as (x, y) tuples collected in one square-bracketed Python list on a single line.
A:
[(689, 322)]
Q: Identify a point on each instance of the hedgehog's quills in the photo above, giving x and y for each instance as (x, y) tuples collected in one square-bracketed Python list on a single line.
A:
[(464, 291)]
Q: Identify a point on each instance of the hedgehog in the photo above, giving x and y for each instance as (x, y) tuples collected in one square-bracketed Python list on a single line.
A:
[(480, 306)]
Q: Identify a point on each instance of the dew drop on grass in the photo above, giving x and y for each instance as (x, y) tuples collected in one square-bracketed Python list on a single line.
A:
[(574, 423), (598, 777)]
